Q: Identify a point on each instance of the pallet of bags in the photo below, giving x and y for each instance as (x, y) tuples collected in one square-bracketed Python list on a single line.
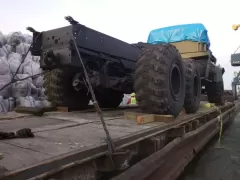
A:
[(27, 90), (5, 78)]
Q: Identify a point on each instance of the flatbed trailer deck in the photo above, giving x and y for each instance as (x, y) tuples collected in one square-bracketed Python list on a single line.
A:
[(64, 140)]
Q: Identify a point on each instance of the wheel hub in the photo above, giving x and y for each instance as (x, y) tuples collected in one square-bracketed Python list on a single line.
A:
[(196, 86), (78, 82), (175, 81)]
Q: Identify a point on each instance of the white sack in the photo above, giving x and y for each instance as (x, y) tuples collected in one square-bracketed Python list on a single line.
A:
[(23, 76), (36, 59), (7, 49), (32, 68), (2, 53), (41, 93), (14, 60), (42, 103), (15, 56), (28, 38), (21, 88), (4, 67), (2, 39), (15, 38), (125, 99), (5, 79), (22, 48), (35, 92), (28, 60), (38, 81), (27, 101), (2, 105), (9, 104)]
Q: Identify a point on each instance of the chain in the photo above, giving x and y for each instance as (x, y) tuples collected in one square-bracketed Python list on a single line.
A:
[(111, 147)]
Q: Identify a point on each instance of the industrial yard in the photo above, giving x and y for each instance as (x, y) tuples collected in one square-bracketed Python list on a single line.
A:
[(77, 103)]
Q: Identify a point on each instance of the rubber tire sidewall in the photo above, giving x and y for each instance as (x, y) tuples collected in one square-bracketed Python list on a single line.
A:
[(192, 101), (59, 90), (215, 92), (177, 105), (152, 80)]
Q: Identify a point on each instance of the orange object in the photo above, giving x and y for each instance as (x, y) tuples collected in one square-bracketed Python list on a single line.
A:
[(129, 101), (139, 119)]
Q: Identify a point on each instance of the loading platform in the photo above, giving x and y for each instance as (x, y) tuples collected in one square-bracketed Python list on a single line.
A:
[(73, 144)]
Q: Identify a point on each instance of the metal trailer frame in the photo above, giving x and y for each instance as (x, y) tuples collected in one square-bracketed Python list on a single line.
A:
[(201, 125), (163, 163), (110, 62), (88, 40)]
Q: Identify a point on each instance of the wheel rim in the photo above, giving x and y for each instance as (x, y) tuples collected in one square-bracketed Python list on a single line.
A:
[(175, 81)]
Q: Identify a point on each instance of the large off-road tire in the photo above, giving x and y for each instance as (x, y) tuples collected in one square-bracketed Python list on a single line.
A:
[(215, 92), (159, 81), (109, 98), (60, 92), (193, 87)]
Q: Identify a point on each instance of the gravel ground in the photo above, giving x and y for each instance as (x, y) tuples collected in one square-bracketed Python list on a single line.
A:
[(218, 163)]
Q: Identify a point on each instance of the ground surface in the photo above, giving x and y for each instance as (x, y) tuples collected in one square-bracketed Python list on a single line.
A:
[(219, 163)]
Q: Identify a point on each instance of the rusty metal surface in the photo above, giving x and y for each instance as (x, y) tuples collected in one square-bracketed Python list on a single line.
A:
[(218, 163), (169, 162), (227, 97)]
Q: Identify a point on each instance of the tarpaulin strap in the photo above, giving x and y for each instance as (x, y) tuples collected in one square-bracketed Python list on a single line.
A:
[(111, 148), (220, 120)]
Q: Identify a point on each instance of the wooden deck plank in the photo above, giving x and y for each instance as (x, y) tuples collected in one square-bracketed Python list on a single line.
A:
[(54, 127), (12, 115), (82, 133), (16, 157), (59, 133), (126, 129), (47, 146), (132, 124), (28, 122), (91, 116)]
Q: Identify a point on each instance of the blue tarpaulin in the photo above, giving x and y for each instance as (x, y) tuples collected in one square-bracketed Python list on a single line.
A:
[(191, 32)]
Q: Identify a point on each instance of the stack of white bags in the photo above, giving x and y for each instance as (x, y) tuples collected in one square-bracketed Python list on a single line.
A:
[(29, 92)]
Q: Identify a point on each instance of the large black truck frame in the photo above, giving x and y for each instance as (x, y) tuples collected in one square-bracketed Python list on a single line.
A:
[(155, 72)]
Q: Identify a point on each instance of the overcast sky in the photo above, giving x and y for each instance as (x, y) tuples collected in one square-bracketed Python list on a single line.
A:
[(131, 20)]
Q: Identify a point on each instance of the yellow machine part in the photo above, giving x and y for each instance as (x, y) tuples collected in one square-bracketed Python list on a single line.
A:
[(207, 105), (189, 49), (235, 26)]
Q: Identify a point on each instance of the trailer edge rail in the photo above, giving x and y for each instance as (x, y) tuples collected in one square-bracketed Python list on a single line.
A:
[(162, 162)]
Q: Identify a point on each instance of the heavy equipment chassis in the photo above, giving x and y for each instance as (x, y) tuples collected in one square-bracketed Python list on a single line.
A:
[(109, 62), (211, 78), (116, 67), (200, 70)]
